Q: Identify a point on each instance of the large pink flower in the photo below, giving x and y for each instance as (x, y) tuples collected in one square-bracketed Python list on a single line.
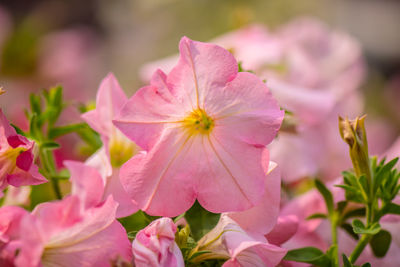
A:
[(204, 127), (117, 148), (17, 166), (155, 245), (66, 232)]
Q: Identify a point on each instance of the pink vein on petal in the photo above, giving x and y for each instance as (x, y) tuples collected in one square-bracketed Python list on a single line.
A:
[(194, 75), (227, 169), (165, 170)]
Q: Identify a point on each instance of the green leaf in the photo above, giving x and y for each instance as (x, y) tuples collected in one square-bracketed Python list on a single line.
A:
[(317, 216), (331, 254), (35, 103), (360, 212), (18, 130), (326, 194), (90, 137), (349, 229), (200, 220), (383, 172), (34, 129), (49, 145), (359, 228), (346, 261), (55, 96), (341, 205), (392, 208), (366, 264), (308, 255), (380, 243), (63, 130)]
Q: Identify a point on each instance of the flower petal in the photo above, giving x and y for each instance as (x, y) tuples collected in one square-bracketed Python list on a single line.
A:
[(246, 109), (152, 178), (262, 218)]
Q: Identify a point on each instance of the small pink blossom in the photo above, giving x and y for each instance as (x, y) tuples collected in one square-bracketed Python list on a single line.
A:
[(204, 127), (155, 245), (229, 241), (117, 148), (17, 166)]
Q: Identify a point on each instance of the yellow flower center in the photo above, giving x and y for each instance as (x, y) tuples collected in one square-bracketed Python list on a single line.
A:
[(198, 122), (121, 149), (8, 160)]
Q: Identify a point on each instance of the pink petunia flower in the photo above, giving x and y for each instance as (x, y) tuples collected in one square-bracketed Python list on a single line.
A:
[(204, 127), (65, 232), (155, 245), (117, 148), (17, 166), (229, 241), (314, 72)]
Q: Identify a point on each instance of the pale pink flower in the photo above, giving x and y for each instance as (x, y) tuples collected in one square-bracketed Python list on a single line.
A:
[(117, 148), (204, 127), (321, 58), (229, 241), (70, 233), (155, 245), (314, 72), (17, 165)]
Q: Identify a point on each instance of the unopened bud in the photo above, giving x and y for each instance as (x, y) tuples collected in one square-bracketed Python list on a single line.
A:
[(354, 134)]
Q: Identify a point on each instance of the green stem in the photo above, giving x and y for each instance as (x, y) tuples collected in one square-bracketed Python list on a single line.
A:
[(50, 171), (362, 243), (333, 221)]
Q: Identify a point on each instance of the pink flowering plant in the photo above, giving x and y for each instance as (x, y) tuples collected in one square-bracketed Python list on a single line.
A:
[(214, 163)]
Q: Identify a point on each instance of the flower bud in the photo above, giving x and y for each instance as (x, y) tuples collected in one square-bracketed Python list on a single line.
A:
[(354, 134)]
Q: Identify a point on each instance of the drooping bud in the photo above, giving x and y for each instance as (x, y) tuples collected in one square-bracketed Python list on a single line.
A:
[(2, 91), (354, 134)]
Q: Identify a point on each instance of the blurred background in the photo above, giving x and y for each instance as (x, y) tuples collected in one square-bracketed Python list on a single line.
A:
[(76, 43)]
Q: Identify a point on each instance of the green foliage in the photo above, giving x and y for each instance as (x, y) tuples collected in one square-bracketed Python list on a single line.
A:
[(327, 195), (386, 179), (347, 263), (380, 243), (134, 223), (317, 216), (309, 255), (360, 228), (200, 220)]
